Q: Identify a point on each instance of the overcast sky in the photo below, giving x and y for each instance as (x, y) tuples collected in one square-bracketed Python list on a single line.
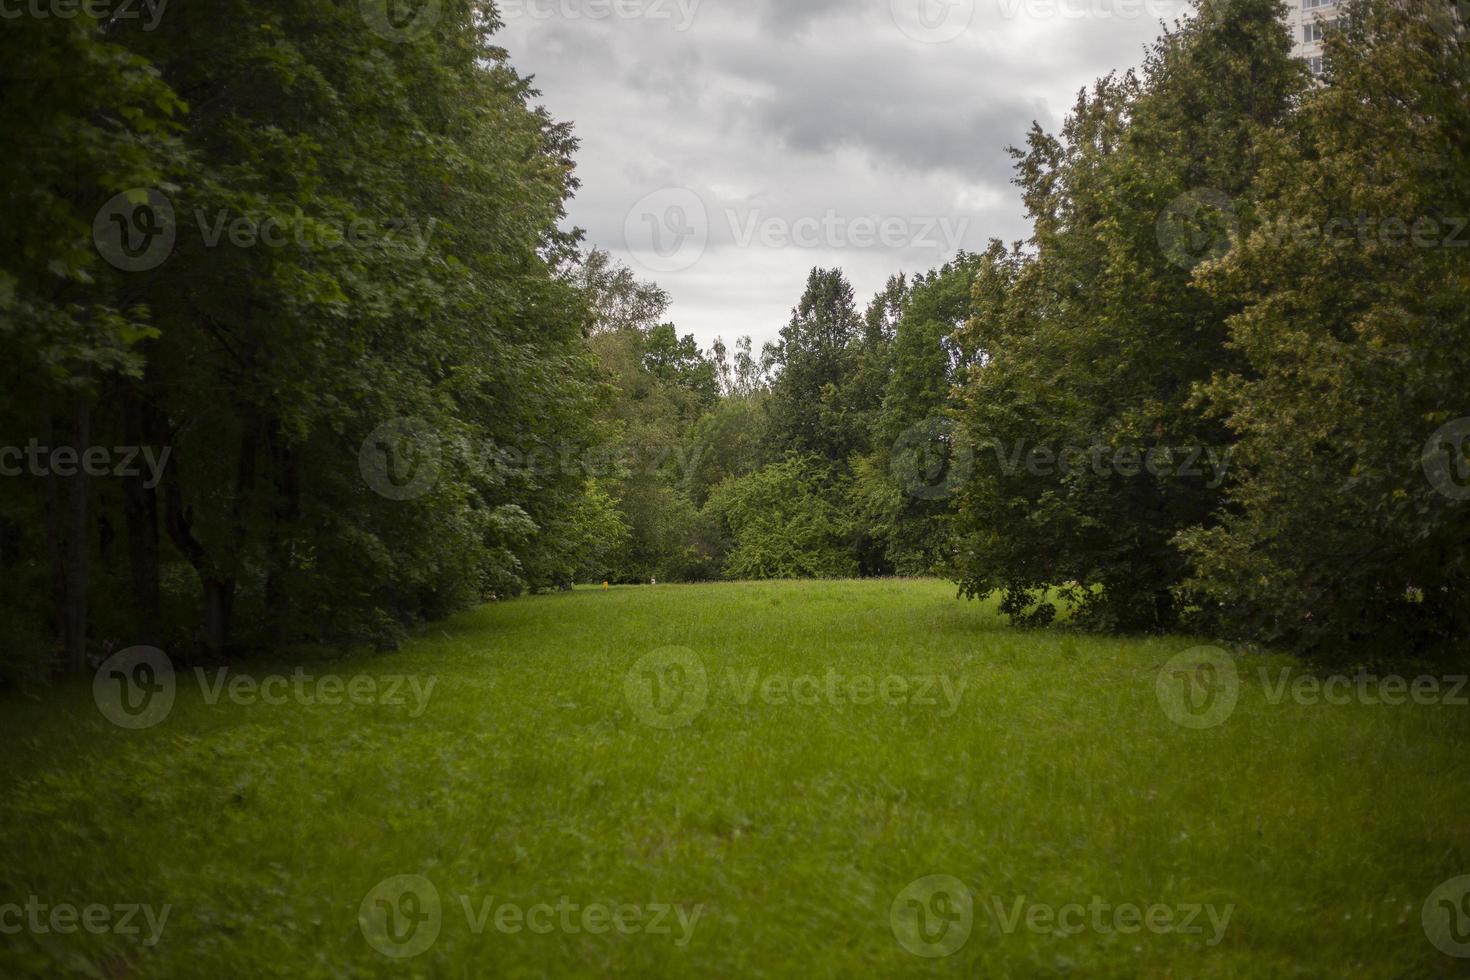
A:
[(728, 146)]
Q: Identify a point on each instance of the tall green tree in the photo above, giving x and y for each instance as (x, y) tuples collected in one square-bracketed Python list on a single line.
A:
[(905, 487), (814, 357), (1091, 346), (1348, 531), (84, 119), (359, 302)]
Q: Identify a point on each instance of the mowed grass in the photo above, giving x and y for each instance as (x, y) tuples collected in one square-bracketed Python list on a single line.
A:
[(787, 825)]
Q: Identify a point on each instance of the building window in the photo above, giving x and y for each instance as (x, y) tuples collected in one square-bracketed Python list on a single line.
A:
[(1316, 30), (1314, 4), (1315, 64)]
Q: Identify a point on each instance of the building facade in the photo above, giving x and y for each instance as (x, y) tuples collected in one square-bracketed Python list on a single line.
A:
[(1307, 19)]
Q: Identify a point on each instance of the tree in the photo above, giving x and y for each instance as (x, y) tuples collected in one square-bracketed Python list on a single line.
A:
[(1089, 348), (910, 512), (660, 386), (87, 119), (814, 357), (363, 280), (1347, 531), (783, 521)]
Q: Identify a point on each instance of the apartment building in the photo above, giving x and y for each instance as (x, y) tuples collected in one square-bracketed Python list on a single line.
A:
[(1307, 19)]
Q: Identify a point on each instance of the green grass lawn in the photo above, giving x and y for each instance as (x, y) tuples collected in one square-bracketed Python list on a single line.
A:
[(568, 770)]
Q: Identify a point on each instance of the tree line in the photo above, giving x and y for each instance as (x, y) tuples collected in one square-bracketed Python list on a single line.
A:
[(1219, 389), (311, 265)]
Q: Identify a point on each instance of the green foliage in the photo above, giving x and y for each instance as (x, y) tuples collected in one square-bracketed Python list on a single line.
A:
[(732, 439), (815, 357), (662, 386), (1346, 535), (784, 520), (267, 350), (598, 536), (912, 522), (1094, 338)]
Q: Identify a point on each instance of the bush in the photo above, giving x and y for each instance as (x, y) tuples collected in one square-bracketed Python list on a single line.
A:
[(783, 521)]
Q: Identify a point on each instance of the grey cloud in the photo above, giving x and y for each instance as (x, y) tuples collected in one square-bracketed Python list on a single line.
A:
[(796, 108), (796, 16), (968, 141)]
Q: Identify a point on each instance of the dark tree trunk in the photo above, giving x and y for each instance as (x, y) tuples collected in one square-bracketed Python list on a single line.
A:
[(55, 544), (67, 498), (179, 523), (219, 606), (286, 479), (140, 507)]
